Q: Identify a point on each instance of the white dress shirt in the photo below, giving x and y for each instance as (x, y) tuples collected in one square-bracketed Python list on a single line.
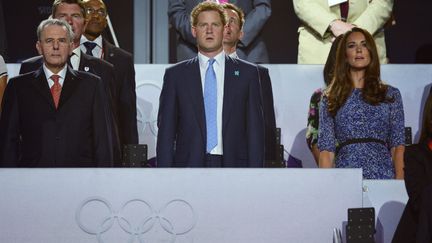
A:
[(48, 75), (75, 58), (219, 68)]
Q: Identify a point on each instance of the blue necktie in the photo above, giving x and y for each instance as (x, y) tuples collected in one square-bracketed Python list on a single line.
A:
[(210, 105), (89, 47)]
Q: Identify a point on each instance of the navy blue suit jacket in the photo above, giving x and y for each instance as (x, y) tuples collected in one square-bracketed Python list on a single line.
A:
[(181, 119), (33, 133)]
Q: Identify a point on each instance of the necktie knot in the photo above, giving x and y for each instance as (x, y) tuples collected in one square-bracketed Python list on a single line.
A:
[(89, 47), (211, 61), (56, 79)]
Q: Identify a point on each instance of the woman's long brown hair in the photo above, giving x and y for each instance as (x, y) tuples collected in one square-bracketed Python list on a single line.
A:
[(374, 90)]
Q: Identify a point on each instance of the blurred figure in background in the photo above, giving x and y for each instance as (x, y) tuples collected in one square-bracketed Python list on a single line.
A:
[(313, 114), (361, 123), (321, 23)]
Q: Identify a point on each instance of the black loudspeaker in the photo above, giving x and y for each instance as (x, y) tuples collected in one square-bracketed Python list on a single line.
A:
[(361, 225), (134, 155)]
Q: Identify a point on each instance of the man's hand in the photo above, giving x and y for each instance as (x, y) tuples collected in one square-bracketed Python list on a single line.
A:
[(338, 27)]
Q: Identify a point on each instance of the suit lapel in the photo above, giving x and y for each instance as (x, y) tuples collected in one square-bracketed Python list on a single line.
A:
[(40, 82), (196, 94), (85, 63), (231, 73), (108, 54), (69, 85)]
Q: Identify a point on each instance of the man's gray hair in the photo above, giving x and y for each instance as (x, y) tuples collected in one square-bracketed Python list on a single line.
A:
[(58, 22)]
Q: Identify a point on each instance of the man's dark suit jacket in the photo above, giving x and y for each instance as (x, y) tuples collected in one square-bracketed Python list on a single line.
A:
[(124, 92), (269, 114), (106, 72), (418, 175), (182, 124), (33, 133)]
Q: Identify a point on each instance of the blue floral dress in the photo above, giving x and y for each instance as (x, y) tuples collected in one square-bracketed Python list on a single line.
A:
[(357, 119)]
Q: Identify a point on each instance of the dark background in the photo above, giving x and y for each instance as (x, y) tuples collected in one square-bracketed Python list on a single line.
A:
[(21, 18), (409, 41)]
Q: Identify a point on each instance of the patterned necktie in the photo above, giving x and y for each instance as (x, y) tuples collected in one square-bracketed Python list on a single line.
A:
[(56, 89), (210, 105), (89, 47)]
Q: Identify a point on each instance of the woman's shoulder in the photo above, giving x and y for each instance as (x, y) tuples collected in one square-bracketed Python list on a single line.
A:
[(391, 89)]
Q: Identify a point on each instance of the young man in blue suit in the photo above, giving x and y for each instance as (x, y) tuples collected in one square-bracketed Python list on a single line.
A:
[(55, 116), (210, 111)]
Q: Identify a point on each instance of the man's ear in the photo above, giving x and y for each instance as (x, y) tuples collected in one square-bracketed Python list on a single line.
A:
[(38, 47), (194, 31)]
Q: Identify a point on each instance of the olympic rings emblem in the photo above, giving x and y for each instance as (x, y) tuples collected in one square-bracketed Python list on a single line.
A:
[(145, 224)]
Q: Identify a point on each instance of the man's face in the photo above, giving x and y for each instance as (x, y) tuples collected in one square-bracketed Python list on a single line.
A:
[(54, 46), (96, 16), (209, 32), (72, 14), (233, 32)]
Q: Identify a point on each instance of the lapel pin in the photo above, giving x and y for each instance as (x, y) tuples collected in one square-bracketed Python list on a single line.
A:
[(237, 73), (86, 69), (111, 54)]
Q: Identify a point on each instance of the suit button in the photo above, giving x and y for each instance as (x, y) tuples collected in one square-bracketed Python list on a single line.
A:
[(57, 138)]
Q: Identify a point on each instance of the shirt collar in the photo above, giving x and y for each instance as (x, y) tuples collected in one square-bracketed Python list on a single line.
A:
[(234, 55), (98, 40), (219, 59), (48, 72)]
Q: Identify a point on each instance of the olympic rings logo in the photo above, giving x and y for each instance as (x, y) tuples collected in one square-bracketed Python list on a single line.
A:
[(137, 231)]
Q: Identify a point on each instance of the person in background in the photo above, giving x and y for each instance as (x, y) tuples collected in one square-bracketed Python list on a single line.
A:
[(321, 23), (124, 95), (361, 123), (232, 35), (3, 78), (418, 176), (55, 116), (313, 114), (210, 112), (251, 48)]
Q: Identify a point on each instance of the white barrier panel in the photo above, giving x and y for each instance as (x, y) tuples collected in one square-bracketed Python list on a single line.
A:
[(175, 205), (293, 86)]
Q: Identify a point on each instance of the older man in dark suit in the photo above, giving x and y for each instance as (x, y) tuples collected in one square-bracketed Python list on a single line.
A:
[(73, 12), (251, 48), (55, 117), (92, 43), (210, 112)]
